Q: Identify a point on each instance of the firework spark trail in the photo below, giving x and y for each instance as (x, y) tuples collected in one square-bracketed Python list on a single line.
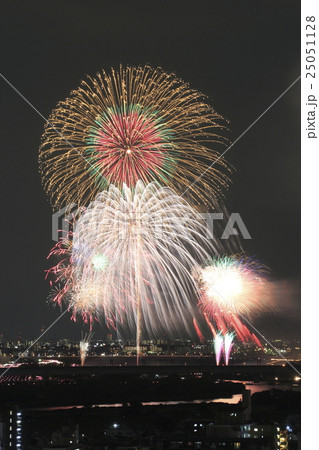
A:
[(218, 347), (145, 240), (228, 345), (198, 331), (84, 347), (210, 325), (135, 124)]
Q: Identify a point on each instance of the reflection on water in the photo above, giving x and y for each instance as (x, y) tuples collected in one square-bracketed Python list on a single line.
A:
[(253, 387), (234, 399), (260, 387)]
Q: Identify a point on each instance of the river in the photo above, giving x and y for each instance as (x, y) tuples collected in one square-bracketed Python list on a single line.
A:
[(253, 387)]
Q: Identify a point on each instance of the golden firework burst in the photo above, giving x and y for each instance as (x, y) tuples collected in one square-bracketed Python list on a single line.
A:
[(137, 123)]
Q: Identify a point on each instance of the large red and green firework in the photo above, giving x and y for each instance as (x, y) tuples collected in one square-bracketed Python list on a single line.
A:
[(130, 144), (133, 124)]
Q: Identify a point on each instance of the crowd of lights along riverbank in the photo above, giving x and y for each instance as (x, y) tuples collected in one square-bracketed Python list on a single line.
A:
[(139, 151)]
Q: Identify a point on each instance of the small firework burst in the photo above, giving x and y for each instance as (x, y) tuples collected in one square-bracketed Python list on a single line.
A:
[(232, 288)]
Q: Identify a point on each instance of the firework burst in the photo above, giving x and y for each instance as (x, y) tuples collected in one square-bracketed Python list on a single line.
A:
[(230, 288), (133, 124), (131, 259)]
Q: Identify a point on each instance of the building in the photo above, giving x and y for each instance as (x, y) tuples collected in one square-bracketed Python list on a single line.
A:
[(248, 436), (10, 428)]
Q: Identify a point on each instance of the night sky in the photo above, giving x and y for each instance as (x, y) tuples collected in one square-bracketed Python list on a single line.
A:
[(242, 55)]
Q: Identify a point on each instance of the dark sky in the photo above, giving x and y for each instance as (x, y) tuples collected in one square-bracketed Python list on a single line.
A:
[(242, 55)]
